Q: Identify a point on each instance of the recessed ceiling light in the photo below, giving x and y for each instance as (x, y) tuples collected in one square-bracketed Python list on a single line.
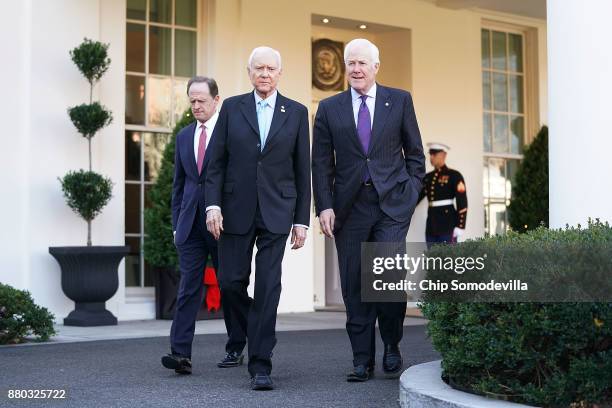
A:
[(363, 26), (325, 20)]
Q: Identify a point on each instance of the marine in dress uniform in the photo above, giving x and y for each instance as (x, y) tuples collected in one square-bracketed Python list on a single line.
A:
[(444, 188)]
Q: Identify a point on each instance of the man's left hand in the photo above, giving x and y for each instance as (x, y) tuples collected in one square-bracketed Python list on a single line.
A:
[(298, 237)]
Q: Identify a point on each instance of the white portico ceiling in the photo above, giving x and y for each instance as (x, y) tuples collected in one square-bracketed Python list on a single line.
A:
[(528, 8)]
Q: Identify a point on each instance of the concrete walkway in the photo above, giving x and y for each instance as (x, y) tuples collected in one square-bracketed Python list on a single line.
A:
[(161, 328), (309, 367)]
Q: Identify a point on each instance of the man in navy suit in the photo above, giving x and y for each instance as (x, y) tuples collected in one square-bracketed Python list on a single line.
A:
[(193, 242), (367, 170), (257, 192)]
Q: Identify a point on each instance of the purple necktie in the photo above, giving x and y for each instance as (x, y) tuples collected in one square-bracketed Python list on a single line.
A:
[(364, 130)]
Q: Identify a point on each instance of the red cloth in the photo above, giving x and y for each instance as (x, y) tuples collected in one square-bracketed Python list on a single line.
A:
[(213, 294)]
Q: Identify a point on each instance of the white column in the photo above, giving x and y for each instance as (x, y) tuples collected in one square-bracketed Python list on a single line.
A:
[(580, 111)]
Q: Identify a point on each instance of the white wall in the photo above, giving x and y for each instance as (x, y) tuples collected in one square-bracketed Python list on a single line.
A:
[(15, 24), (48, 144)]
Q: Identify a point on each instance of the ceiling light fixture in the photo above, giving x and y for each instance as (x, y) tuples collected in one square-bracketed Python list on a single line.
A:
[(325, 20), (363, 26)]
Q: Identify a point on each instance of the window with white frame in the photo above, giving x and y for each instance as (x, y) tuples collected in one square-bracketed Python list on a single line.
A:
[(503, 85), (161, 54)]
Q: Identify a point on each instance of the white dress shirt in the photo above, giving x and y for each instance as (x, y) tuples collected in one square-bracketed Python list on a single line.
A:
[(370, 102), (210, 126)]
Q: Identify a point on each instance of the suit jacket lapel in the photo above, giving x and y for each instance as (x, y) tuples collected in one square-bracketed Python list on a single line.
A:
[(382, 107), (281, 112), (348, 117), (189, 148), (247, 106)]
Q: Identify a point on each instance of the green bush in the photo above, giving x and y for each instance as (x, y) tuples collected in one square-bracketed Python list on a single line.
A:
[(159, 247), (91, 58), (548, 354), (89, 118), (86, 192), (529, 205), (21, 317)]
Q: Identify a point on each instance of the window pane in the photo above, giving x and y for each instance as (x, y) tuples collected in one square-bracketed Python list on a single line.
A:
[(485, 178), (132, 155), (135, 48), (132, 262), (517, 131), (516, 93), (497, 218), (500, 93), (160, 11), (181, 101), (136, 9), (185, 49), (132, 208), (158, 101), (499, 50), (160, 41), (487, 130), (515, 52), (486, 90), (487, 221), (148, 269), (500, 134), (154, 145), (186, 13), (134, 100), (149, 275), (511, 168), (497, 178), (485, 48)]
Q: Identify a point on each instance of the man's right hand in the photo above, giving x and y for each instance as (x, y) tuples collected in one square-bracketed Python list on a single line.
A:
[(327, 219), (214, 222)]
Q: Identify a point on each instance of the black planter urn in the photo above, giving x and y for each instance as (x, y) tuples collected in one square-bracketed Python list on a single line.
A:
[(89, 278)]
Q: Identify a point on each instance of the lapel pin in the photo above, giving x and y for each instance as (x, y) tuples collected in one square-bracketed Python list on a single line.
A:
[(282, 109)]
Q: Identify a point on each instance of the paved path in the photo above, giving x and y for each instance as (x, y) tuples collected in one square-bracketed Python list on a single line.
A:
[(309, 369)]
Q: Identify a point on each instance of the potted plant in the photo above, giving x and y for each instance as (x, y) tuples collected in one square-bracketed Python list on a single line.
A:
[(89, 273)]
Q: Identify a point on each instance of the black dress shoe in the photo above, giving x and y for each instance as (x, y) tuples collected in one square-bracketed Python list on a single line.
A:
[(392, 361), (231, 359), (261, 382), (361, 373), (180, 365)]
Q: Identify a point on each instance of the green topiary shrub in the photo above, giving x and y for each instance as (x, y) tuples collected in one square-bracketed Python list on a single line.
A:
[(21, 317), (546, 354), (86, 191), (529, 205), (159, 247)]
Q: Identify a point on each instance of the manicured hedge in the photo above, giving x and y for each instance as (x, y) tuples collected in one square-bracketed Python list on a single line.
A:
[(547, 354)]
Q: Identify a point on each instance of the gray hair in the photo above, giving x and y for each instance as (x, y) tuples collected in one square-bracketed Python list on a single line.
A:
[(360, 42), (262, 49)]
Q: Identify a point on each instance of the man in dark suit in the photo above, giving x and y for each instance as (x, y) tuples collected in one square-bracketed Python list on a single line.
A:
[(257, 191), (367, 170), (193, 242)]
